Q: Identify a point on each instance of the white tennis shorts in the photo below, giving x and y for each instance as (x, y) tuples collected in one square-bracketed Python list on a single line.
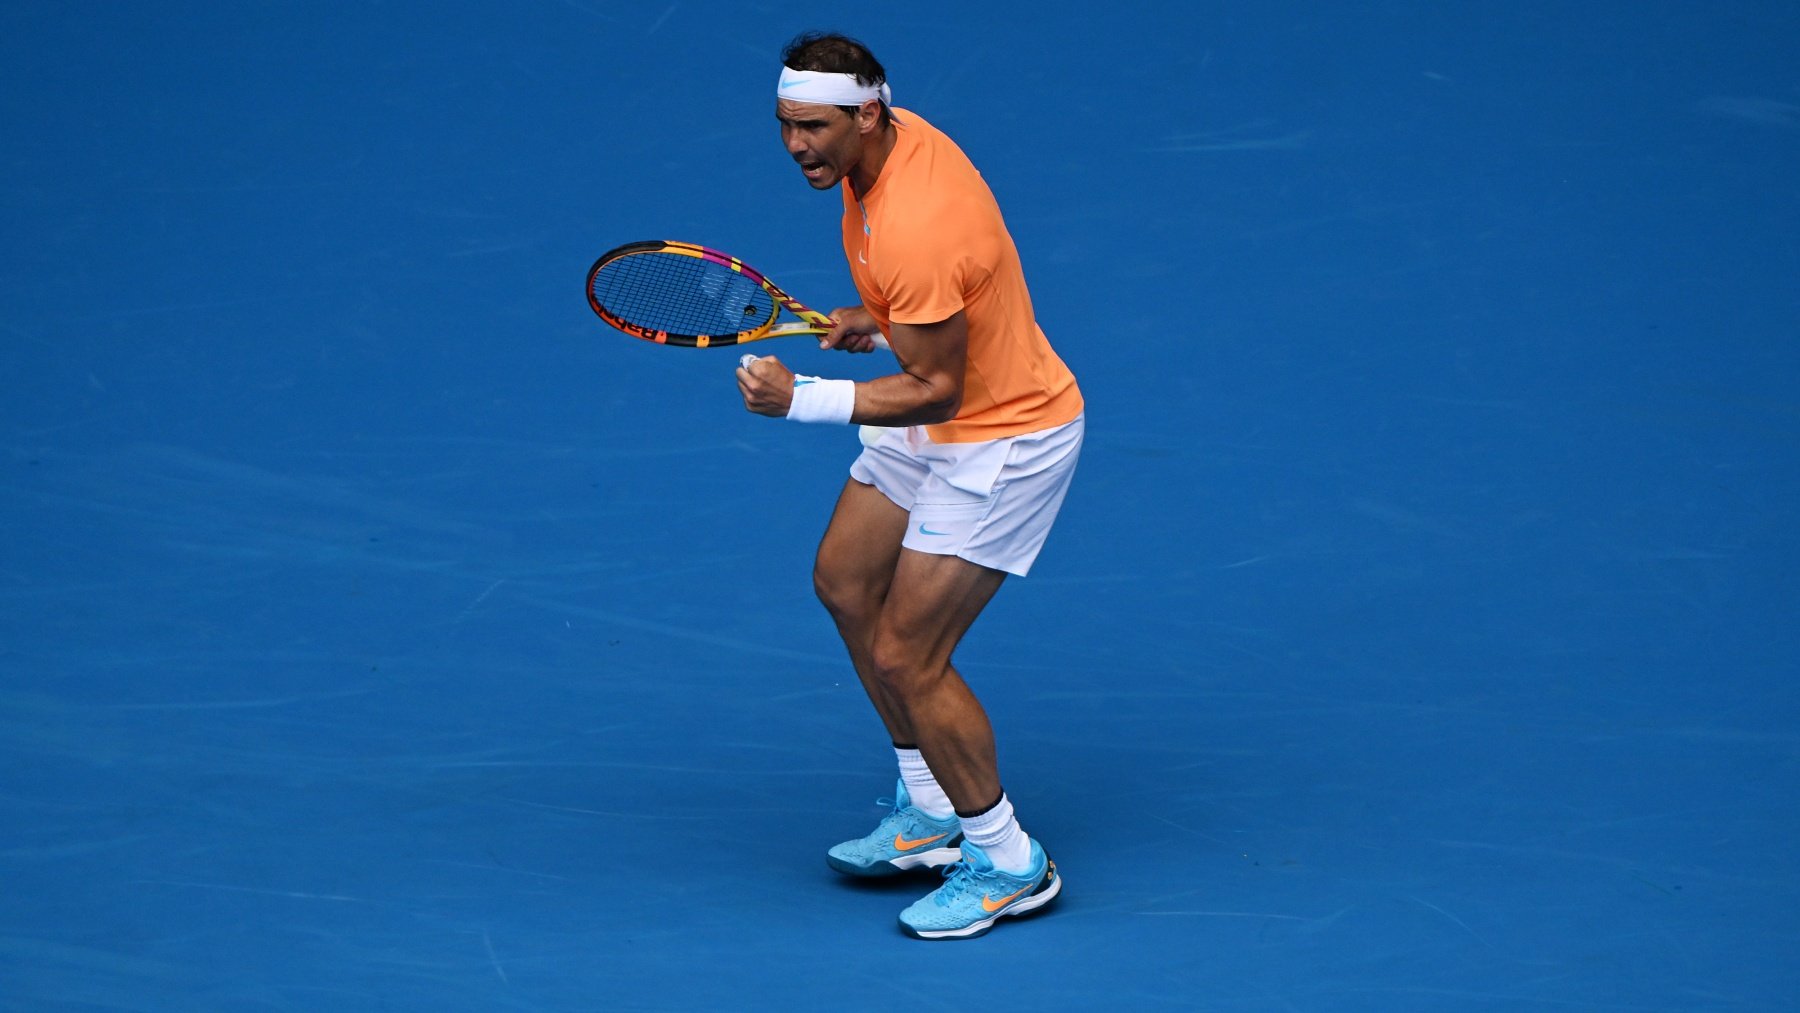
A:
[(992, 503)]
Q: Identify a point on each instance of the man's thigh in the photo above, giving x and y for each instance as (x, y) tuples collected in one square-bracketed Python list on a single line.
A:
[(862, 543), (933, 601)]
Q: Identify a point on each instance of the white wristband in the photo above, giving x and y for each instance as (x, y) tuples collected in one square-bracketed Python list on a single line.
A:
[(818, 400)]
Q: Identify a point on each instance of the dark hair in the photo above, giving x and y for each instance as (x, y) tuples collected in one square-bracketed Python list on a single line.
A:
[(833, 53)]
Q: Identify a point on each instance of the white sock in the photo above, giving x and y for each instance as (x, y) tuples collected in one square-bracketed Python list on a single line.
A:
[(921, 786), (999, 834)]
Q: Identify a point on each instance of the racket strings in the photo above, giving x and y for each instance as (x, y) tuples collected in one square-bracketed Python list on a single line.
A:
[(682, 295)]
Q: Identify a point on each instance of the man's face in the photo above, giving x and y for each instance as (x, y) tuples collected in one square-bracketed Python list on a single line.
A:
[(824, 140)]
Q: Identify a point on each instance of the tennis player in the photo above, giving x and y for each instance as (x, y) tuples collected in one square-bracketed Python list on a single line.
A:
[(982, 428)]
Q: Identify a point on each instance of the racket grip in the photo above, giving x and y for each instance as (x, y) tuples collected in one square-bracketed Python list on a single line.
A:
[(745, 360)]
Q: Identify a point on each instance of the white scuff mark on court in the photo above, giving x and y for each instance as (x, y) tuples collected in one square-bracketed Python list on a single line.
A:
[(1538, 853), (658, 23), (1402, 519), (507, 246), (226, 705), (585, 9), (464, 614), (125, 312), (1287, 142), (1767, 111), (603, 812), (1244, 137), (1247, 652), (1520, 407), (1230, 914), (799, 694), (176, 468), (741, 645), (27, 335), (1317, 925), (1676, 554), (1366, 214), (230, 888), (940, 83), (87, 847), (500, 868), (1458, 922), (1244, 562), (493, 958), (459, 213), (1189, 830)]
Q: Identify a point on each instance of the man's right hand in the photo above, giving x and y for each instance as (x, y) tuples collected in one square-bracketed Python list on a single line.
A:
[(854, 330)]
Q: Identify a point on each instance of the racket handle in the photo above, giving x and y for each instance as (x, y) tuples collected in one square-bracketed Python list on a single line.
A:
[(745, 360)]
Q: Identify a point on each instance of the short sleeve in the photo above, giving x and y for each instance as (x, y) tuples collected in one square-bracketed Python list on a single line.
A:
[(924, 280)]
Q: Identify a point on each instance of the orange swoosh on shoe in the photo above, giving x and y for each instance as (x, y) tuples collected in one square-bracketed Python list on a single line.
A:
[(902, 844), (990, 905)]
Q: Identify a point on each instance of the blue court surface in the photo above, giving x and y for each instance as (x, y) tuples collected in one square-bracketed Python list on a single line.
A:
[(379, 631)]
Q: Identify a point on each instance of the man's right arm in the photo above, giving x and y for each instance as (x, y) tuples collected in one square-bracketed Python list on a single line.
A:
[(926, 391), (854, 330), (929, 387)]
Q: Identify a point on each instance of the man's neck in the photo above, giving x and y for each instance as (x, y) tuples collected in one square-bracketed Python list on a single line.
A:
[(875, 156)]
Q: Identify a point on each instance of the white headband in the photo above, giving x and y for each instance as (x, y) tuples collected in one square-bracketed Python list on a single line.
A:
[(827, 89)]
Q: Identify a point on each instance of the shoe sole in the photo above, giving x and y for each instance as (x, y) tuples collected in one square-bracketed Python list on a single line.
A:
[(933, 859), (1039, 899)]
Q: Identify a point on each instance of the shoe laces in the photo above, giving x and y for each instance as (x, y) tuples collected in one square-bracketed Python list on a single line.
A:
[(959, 876)]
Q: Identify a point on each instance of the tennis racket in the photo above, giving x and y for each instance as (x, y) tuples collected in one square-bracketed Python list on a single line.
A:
[(689, 296)]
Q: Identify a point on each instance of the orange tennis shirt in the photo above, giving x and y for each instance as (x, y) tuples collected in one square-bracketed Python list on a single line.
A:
[(928, 240)]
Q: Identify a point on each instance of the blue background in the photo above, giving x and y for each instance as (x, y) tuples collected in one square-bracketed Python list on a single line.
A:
[(380, 631)]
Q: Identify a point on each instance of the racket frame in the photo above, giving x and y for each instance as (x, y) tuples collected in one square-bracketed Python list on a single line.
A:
[(811, 321)]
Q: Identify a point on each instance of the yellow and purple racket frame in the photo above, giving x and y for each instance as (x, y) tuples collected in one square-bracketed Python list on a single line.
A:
[(683, 294)]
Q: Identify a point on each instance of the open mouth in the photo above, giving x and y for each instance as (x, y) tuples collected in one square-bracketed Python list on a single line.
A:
[(813, 170)]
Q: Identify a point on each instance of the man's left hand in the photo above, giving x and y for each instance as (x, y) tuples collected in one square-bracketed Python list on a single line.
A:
[(767, 386)]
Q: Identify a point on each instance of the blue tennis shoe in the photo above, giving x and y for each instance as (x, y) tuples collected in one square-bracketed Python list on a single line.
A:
[(907, 838), (975, 895)]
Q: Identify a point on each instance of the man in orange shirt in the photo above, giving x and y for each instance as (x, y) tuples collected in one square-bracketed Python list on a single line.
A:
[(979, 435)]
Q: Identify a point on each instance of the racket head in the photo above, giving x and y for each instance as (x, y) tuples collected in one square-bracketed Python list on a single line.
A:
[(684, 294)]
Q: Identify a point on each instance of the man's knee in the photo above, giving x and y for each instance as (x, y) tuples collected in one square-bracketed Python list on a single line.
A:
[(901, 664), (846, 593)]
